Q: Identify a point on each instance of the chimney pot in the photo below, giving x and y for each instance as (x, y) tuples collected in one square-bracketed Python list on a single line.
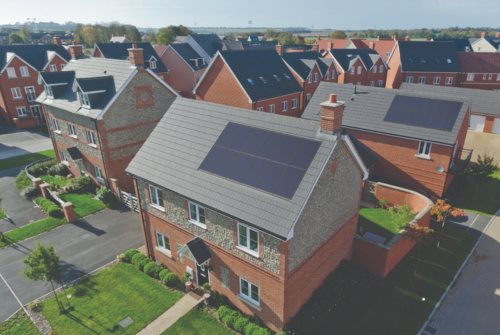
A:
[(74, 42), (333, 98)]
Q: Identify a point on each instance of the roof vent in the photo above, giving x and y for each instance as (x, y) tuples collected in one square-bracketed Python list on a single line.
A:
[(449, 61), (250, 81), (263, 80), (410, 60), (286, 76), (276, 77)]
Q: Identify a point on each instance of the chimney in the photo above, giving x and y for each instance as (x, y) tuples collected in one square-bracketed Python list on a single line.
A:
[(394, 37), (497, 35), (315, 47), (332, 112), (279, 49), (136, 56), (57, 40), (372, 45), (319, 38), (378, 38), (407, 38), (483, 34), (76, 51), (329, 45)]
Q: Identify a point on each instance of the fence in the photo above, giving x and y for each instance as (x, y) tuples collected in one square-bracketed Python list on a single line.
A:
[(129, 200), (29, 166)]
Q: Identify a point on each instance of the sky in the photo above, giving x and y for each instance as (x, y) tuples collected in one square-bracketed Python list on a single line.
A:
[(334, 14)]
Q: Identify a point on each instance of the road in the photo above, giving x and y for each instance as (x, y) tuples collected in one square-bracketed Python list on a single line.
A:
[(17, 142)]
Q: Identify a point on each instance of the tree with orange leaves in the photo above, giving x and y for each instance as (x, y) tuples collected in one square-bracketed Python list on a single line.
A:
[(421, 235), (442, 210)]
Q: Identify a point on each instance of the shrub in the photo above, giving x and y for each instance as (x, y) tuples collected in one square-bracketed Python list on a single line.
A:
[(152, 270), (84, 184), (54, 211), (163, 273), (240, 324), (137, 258), (171, 280), (127, 256), (29, 191), (105, 195), (206, 287), (253, 329), (45, 203), (22, 180), (41, 169), (222, 312), (142, 263), (58, 170), (230, 318), (217, 300)]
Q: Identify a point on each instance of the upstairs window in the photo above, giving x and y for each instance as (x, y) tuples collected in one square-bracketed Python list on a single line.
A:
[(11, 72), (156, 196), (276, 77), (375, 69), (328, 76), (449, 80), (91, 138), (315, 77), (294, 103), (490, 76), (63, 66), (309, 79), (248, 239), (30, 93), (16, 93), (152, 64), (24, 71), (308, 97), (48, 91), (55, 124), (197, 215), (264, 81), (484, 76), (359, 69), (380, 83), (409, 80), (353, 70), (84, 100), (72, 131), (387, 54), (284, 106), (470, 77), (381, 69), (52, 68), (271, 109), (372, 83), (437, 80), (424, 148)]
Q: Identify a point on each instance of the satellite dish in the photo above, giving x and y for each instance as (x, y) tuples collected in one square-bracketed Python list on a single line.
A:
[(440, 169)]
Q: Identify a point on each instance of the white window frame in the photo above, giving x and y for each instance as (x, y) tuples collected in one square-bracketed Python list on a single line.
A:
[(448, 81), (294, 103), (353, 70), (423, 147), (245, 247), (381, 69), (11, 72), (327, 75), (63, 66), (16, 93), (359, 69), (98, 174), (271, 109), (284, 106), (309, 79), (53, 68), (155, 195), (372, 83), (55, 125), (260, 109), (436, 81), (484, 76), (315, 77), (72, 130), (421, 80), (470, 77), (30, 93), (333, 74), (21, 111), (249, 295), (490, 76), (375, 69), (380, 83), (194, 208), (165, 241), (84, 99), (64, 158), (91, 138), (388, 54), (24, 71), (498, 77), (152, 64), (48, 91), (409, 80)]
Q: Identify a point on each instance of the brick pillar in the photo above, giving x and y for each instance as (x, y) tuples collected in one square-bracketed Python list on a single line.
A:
[(136, 56), (76, 51), (115, 187), (43, 188), (332, 112), (37, 182), (69, 214), (280, 49)]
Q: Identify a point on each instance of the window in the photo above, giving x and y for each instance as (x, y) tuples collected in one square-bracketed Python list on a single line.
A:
[(260, 109), (375, 69), (21, 111), (16, 92), (162, 241), (353, 70), (48, 91), (35, 110), (156, 196), (271, 109), (436, 60), (248, 239), (424, 149), (250, 81), (284, 106), (90, 137), (449, 80), (328, 76), (315, 77), (309, 79), (55, 124), (249, 291), (410, 60), (152, 64), (421, 80), (449, 61), (333, 74), (84, 100), (308, 97), (372, 83), (52, 68), (294, 103), (11, 72), (63, 66), (72, 131), (197, 215), (490, 76), (24, 71), (470, 77), (498, 77), (409, 80), (380, 69), (197, 77), (437, 80), (484, 76), (380, 83), (30, 93), (359, 69), (358, 83), (98, 173), (387, 54), (64, 158)]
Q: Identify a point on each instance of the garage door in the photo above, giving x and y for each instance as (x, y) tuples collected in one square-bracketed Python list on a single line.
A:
[(496, 126), (477, 122)]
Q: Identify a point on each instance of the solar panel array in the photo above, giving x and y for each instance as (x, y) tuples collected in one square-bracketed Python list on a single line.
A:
[(271, 162), (422, 112)]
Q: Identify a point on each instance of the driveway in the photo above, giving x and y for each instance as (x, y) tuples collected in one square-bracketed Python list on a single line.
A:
[(481, 142), (474, 224), (17, 142), (83, 245)]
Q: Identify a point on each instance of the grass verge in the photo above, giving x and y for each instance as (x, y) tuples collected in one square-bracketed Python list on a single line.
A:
[(83, 204), (9, 163), (3, 215), (22, 180), (377, 221), (99, 303), (18, 324), (31, 230), (197, 321)]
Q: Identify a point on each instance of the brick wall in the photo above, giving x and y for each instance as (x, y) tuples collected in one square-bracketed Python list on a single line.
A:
[(429, 78), (182, 77), (479, 83), (295, 112), (376, 77), (394, 74)]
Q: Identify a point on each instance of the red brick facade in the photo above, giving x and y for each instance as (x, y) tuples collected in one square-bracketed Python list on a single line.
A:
[(362, 76), (480, 81)]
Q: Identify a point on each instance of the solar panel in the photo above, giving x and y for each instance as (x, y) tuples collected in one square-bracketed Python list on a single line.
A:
[(271, 162), (421, 112)]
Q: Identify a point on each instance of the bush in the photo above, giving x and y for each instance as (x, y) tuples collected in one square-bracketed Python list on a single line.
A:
[(41, 169), (137, 258), (54, 211), (240, 324), (222, 312), (84, 184), (253, 329), (29, 191), (142, 263), (105, 195), (58, 170), (163, 273), (230, 318), (217, 300), (45, 204), (152, 270), (127, 256), (171, 280)]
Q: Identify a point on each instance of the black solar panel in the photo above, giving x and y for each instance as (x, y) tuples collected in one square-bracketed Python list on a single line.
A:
[(271, 162), (421, 112)]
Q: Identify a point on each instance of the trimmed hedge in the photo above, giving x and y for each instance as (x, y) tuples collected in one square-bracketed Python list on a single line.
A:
[(127, 256), (171, 280), (152, 270), (137, 259), (84, 184), (163, 273), (241, 323), (49, 207), (55, 212), (29, 191), (142, 263)]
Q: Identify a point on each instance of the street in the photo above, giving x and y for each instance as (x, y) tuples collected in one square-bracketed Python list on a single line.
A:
[(17, 142)]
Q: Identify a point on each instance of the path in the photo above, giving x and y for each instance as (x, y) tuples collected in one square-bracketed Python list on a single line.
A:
[(17, 142)]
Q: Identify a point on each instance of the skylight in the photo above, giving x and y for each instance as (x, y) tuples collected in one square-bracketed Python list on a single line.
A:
[(250, 81), (449, 61), (286, 76), (410, 60), (422, 60), (263, 80), (437, 61), (276, 77)]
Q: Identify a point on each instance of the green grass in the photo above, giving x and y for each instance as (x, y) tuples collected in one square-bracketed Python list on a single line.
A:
[(18, 324), (31, 230), (3, 215), (377, 221), (9, 163), (197, 321), (108, 297), (61, 180), (22, 180), (488, 196), (83, 204)]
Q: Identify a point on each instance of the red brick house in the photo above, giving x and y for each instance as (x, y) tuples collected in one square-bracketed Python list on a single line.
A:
[(18, 81), (418, 137), (242, 200), (253, 79), (40, 38), (480, 70), (100, 112)]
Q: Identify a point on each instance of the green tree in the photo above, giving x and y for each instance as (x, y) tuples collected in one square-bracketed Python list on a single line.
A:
[(402, 215), (370, 33), (420, 235), (287, 39), (338, 35), (133, 34), (24, 33), (482, 169), (15, 38), (165, 36)]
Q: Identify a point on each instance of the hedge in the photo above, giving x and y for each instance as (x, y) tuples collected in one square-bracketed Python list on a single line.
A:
[(137, 259), (127, 256), (152, 269), (163, 273), (241, 323)]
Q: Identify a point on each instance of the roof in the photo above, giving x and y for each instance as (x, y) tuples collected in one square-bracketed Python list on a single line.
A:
[(482, 101), (367, 156), (160, 49), (494, 41), (205, 41), (199, 250), (347, 57), (179, 39), (303, 62), (382, 47), (188, 54), (94, 84), (423, 56), (479, 62), (37, 36), (119, 39), (368, 108), (337, 44), (120, 51), (259, 47), (223, 45), (461, 44), (171, 156), (253, 64), (35, 55), (58, 77)]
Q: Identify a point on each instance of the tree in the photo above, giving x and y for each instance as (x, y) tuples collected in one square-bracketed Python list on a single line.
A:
[(420, 235), (24, 33), (133, 34), (483, 168), (442, 210), (338, 35), (402, 215), (15, 38), (43, 264), (167, 35), (370, 33)]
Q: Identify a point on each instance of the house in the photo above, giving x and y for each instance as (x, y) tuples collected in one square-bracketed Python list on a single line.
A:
[(4, 38), (486, 44), (205, 45), (120, 51), (329, 44), (461, 44), (359, 66), (253, 39), (417, 137), (179, 39), (259, 46), (256, 79), (100, 112), (480, 70), (422, 62), (265, 233), (18, 80), (484, 105), (40, 38), (119, 39), (384, 48)]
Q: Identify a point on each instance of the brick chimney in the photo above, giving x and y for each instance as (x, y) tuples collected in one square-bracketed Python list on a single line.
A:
[(136, 56), (378, 38), (329, 45), (497, 35), (280, 49), (319, 38), (372, 45), (315, 47), (394, 37), (483, 34), (332, 112), (57, 40), (407, 38), (76, 51)]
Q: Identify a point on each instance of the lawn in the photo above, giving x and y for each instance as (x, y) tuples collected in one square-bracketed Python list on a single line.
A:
[(3, 215), (9, 163), (99, 303), (488, 196), (377, 221), (55, 179), (83, 204), (197, 321), (31, 230), (18, 324), (393, 305)]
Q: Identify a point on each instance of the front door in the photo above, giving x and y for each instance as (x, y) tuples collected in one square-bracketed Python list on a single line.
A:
[(80, 167), (202, 273)]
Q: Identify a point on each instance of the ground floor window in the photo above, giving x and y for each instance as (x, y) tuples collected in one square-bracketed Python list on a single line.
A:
[(98, 173), (250, 291), (409, 80), (162, 241), (21, 111)]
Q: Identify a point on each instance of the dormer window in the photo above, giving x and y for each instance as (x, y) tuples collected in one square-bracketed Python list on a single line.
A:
[(203, 61), (84, 99), (410, 60), (48, 91), (152, 64), (250, 81), (263, 80), (276, 77)]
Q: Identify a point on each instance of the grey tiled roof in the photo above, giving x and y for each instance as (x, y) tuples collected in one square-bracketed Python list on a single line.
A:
[(347, 57), (119, 70), (303, 62), (482, 101), (187, 53), (223, 45), (120, 51), (171, 156), (35, 55), (461, 44), (423, 56), (368, 108), (205, 41)]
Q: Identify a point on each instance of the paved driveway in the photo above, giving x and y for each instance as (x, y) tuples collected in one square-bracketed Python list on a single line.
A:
[(83, 245), (481, 142), (17, 142), (474, 224)]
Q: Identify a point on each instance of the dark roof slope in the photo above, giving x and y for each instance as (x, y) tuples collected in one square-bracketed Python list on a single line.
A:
[(347, 57), (35, 55), (94, 84), (367, 110), (261, 63), (303, 62), (58, 77), (223, 45), (423, 56), (206, 41), (259, 47), (119, 51), (187, 53), (479, 62), (461, 44)]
